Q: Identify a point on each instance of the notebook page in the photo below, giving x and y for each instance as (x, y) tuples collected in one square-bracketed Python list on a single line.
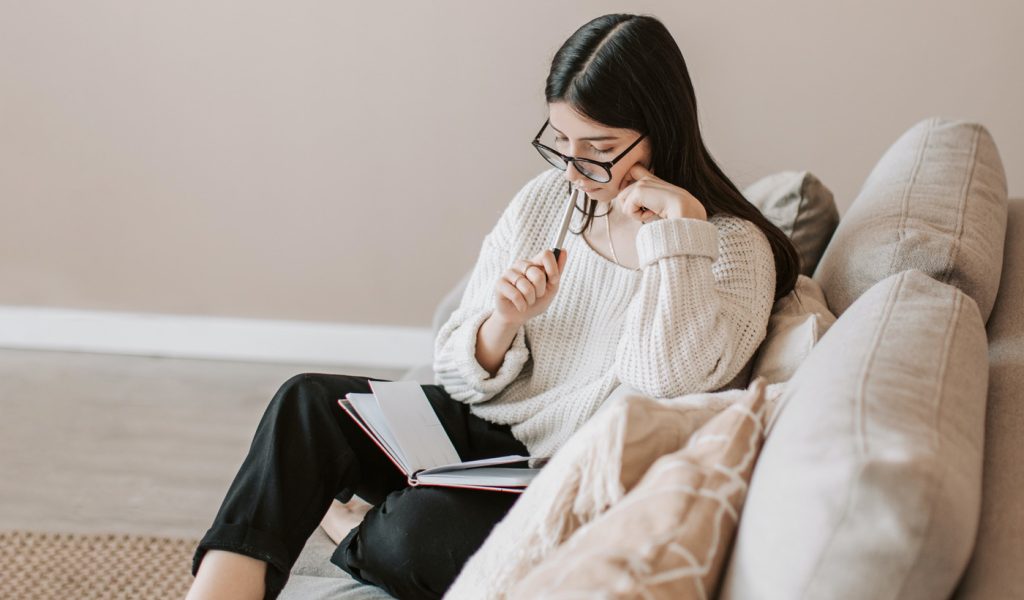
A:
[(481, 462), (492, 476), (369, 411), (415, 426)]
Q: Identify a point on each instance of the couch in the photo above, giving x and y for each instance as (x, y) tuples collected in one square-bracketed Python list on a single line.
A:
[(892, 468)]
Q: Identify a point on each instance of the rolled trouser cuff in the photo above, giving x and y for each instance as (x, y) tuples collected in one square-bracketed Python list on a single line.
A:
[(243, 539)]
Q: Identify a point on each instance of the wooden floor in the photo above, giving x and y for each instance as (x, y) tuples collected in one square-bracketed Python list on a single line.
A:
[(106, 443)]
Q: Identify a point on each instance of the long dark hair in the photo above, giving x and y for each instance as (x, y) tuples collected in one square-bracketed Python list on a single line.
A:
[(626, 71)]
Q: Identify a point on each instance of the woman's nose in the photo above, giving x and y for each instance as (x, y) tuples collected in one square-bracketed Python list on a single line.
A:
[(573, 175)]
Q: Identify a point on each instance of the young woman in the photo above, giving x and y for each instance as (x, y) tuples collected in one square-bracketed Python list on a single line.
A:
[(667, 288)]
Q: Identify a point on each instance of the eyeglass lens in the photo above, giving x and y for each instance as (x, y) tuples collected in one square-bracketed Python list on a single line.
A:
[(587, 169)]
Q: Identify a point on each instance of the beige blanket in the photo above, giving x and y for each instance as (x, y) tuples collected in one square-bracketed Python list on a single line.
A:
[(593, 470)]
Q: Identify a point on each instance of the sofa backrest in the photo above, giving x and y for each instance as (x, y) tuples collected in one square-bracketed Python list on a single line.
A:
[(994, 570)]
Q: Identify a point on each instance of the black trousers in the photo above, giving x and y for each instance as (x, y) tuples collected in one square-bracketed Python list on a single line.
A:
[(307, 451)]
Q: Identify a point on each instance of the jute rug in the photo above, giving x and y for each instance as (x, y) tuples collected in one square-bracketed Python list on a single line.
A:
[(108, 566)]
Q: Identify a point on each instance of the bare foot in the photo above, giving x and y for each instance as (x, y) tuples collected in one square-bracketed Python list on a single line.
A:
[(342, 517)]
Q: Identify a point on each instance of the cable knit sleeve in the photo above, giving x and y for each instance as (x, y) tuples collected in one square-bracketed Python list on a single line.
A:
[(702, 308), (455, 364)]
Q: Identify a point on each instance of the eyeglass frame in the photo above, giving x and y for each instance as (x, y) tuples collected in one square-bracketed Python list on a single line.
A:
[(607, 166)]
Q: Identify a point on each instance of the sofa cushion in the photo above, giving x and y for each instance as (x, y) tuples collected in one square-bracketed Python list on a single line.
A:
[(686, 504), (801, 206), (869, 482), (312, 587), (936, 202), (995, 568), (797, 322), (314, 576)]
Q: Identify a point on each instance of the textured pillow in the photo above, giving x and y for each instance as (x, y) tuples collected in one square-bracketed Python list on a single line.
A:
[(797, 322), (669, 536), (801, 206), (869, 482), (936, 202)]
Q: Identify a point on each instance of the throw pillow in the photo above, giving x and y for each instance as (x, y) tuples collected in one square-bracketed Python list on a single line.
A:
[(801, 206), (936, 202), (669, 536), (869, 482), (797, 322)]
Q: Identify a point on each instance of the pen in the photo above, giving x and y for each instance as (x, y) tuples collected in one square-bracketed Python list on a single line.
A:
[(565, 220)]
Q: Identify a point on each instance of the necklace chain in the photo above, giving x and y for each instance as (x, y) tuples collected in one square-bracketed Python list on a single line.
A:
[(608, 226)]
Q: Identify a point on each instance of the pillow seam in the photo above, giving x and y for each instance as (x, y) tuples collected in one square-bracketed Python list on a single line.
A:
[(948, 269), (799, 203), (905, 201)]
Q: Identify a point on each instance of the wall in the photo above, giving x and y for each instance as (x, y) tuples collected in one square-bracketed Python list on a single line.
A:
[(341, 162)]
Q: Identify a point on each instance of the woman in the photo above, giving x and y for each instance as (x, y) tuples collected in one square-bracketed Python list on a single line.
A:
[(670, 294)]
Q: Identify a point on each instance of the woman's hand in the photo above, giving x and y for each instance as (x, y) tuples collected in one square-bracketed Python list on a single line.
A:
[(645, 198), (527, 288)]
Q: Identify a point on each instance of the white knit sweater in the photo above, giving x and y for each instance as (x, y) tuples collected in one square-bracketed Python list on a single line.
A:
[(688, 320)]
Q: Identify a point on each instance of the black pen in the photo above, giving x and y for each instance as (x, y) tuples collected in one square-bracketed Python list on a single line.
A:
[(566, 219)]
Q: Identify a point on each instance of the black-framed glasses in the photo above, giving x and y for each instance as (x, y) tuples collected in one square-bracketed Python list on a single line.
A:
[(594, 170)]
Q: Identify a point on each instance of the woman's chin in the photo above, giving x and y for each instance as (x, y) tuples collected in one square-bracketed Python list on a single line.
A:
[(604, 201)]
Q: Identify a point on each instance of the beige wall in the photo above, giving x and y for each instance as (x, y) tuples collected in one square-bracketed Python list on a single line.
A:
[(337, 162)]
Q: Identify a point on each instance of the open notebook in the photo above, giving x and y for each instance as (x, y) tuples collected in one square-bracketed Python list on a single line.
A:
[(399, 418)]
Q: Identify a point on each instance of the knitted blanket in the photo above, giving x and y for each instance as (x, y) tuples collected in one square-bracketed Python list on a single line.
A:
[(590, 473)]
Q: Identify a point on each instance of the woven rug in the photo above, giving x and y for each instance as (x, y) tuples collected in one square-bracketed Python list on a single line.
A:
[(84, 567)]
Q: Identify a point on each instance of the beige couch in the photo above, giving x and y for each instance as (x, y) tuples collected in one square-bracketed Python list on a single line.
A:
[(893, 467)]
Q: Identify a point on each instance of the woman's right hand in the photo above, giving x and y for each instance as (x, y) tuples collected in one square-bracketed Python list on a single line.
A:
[(527, 288)]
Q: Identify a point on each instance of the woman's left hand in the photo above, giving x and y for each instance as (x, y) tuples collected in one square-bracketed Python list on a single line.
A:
[(642, 195)]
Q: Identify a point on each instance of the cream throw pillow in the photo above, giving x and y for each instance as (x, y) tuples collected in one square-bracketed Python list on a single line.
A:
[(669, 536), (869, 482), (935, 202), (797, 322)]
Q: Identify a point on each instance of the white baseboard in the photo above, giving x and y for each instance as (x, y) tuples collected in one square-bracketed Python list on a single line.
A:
[(257, 340)]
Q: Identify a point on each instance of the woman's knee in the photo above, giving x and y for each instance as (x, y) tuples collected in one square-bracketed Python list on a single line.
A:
[(415, 543), (311, 394)]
